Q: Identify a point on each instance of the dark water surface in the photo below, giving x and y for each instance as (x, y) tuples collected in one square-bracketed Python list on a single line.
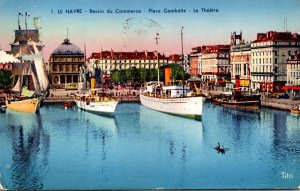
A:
[(144, 149)]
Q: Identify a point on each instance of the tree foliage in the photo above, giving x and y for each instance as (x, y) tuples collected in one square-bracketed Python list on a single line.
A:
[(5, 78), (143, 75)]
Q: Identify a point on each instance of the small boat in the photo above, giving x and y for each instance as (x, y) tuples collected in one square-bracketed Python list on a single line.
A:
[(30, 105), (2, 188), (215, 102), (296, 110), (2, 108), (68, 104), (220, 149)]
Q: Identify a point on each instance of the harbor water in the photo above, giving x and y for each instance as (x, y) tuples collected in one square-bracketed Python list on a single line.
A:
[(140, 148)]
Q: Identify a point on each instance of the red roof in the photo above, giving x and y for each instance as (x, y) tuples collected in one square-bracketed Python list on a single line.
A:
[(273, 36), (215, 48), (126, 55)]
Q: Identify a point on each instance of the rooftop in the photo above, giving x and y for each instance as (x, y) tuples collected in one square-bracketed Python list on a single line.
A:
[(126, 55), (273, 36), (67, 48)]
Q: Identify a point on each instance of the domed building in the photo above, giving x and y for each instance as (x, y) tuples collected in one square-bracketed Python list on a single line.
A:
[(65, 62)]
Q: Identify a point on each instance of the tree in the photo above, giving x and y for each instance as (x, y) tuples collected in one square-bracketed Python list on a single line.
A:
[(136, 75), (5, 78), (128, 75), (143, 74), (116, 76)]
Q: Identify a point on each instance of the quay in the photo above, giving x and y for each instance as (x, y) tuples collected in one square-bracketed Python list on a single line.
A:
[(126, 95), (273, 103), (61, 96)]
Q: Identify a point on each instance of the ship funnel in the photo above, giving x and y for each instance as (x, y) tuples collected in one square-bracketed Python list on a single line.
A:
[(168, 75), (93, 83)]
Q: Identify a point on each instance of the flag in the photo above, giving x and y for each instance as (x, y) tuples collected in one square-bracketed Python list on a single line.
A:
[(20, 14), (27, 14)]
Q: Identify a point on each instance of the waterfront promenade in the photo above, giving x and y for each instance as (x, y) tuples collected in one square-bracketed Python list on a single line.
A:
[(124, 95)]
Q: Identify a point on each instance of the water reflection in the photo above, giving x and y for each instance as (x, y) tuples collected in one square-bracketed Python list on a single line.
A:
[(30, 146), (100, 127)]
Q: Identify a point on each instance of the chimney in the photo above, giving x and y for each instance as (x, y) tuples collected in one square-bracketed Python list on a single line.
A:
[(112, 54), (260, 36), (146, 53), (296, 36)]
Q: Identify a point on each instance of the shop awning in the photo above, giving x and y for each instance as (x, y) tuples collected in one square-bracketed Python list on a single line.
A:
[(295, 88), (221, 81)]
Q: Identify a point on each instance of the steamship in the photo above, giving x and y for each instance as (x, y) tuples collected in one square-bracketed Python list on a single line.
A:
[(96, 101), (173, 99)]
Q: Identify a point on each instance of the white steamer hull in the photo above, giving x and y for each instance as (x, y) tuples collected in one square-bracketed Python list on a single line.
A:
[(190, 107), (98, 107)]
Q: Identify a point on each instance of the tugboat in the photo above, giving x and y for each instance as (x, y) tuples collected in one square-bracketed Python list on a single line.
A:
[(237, 99)]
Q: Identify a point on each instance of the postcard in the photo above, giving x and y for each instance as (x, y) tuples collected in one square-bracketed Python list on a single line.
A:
[(149, 94)]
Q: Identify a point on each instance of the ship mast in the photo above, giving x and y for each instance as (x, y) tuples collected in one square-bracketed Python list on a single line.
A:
[(182, 61), (19, 20), (156, 38), (26, 15)]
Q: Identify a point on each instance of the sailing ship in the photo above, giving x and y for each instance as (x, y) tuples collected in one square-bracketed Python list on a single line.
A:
[(23, 99), (29, 72), (175, 99), (94, 100)]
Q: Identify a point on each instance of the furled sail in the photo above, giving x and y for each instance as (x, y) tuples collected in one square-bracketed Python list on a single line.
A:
[(40, 68)]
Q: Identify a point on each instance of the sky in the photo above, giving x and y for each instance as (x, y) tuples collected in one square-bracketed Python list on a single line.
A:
[(136, 31)]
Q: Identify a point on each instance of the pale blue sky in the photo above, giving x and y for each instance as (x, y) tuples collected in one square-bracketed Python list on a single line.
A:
[(109, 30)]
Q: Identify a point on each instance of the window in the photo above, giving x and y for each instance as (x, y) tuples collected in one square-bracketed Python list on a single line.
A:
[(61, 68), (276, 61), (245, 69), (276, 53), (55, 67)]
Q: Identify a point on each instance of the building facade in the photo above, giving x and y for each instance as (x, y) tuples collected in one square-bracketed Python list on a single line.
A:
[(216, 63), (293, 76), (108, 61), (293, 70), (65, 62), (269, 54), (240, 56), (195, 62)]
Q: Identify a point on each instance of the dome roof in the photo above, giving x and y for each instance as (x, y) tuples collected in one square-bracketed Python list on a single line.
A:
[(67, 48)]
